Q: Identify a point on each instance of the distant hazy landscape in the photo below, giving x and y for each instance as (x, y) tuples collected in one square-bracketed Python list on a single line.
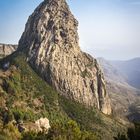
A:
[(124, 94)]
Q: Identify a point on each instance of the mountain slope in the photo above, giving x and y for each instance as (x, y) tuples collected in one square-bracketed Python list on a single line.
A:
[(111, 72), (51, 42), (131, 70), (50, 77), (123, 96), (26, 97)]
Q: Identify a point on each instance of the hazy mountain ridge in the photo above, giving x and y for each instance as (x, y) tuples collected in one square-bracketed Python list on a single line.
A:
[(131, 70), (124, 97), (111, 72)]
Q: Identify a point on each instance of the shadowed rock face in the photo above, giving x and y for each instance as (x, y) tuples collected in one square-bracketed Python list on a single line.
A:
[(7, 49), (51, 42)]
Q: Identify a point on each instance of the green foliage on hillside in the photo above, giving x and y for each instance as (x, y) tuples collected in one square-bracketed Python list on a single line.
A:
[(9, 132), (29, 96), (132, 133), (68, 131), (24, 96), (78, 112)]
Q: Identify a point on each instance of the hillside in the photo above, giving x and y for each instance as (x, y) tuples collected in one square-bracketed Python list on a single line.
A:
[(131, 70), (111, 72), (51, 42), (51, 90), (124, 97), (26, 97)]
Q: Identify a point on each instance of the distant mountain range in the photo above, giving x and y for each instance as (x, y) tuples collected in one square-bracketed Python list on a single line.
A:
[(130, 69), (122, 71), (125, 96), (111, 72)]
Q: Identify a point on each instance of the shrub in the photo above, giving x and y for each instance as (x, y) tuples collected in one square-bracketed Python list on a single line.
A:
[(10, 132)]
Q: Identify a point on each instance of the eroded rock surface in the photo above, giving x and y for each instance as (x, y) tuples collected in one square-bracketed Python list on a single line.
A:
[(51, 41)]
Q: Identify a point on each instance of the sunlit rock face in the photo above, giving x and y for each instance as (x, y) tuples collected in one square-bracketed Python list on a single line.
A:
[(7, 49), (51, 42)]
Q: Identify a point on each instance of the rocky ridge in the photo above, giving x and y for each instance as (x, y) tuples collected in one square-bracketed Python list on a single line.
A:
[(50, 41), (7, 49)]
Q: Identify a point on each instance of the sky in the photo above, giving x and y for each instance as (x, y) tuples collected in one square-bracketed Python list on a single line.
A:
[(107, 28)]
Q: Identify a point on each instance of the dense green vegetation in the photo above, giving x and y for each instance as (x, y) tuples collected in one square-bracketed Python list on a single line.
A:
[(69, 131), (29, 97), (25, 97), (84, 116), (132, 133)]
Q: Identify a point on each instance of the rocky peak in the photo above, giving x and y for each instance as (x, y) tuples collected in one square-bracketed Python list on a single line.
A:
[(51, 42), (51, 23)]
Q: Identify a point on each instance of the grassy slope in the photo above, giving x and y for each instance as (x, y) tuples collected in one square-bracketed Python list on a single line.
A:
[(28, 98)]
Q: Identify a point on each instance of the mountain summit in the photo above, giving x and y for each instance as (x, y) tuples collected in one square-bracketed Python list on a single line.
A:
[(51, 43)]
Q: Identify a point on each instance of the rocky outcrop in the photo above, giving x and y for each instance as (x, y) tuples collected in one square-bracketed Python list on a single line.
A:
[(40, 125), (43, 125), (51, 42), (7, 49)]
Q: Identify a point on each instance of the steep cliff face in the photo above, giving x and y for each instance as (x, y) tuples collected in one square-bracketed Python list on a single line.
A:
[(51, 42), (7, 49)]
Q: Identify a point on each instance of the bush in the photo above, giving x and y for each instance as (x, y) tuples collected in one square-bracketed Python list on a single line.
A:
[(82, 115), (69, 131), (132, 133), (10, 132), (29, 136)]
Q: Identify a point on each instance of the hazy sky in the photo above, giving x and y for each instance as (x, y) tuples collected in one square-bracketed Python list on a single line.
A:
[(107, 28)]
